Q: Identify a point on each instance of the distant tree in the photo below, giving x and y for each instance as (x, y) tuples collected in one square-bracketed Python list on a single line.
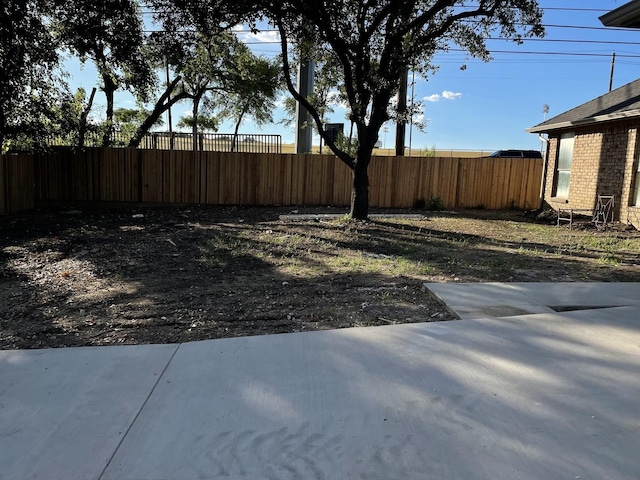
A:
[(205, 123), (214, 70), (211, 67), (375, 42), (251, 93), (128, 120), (83, 125), (191, 43), (111, 34), (70, 121)]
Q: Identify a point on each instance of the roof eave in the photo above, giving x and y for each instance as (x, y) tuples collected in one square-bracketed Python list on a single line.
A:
[(627, 16), (585, 121)]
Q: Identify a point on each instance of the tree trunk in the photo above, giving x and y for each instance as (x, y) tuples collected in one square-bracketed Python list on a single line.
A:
[(194, 116), (234, 139), (159, 108), (360, 192), (82, 128), (2, 128), (109, 89), (360, 186)]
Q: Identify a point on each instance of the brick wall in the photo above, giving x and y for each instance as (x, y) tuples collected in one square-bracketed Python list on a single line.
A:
[(603, 162)]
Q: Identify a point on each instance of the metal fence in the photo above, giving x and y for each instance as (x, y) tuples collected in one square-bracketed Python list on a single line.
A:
[(204, 142)]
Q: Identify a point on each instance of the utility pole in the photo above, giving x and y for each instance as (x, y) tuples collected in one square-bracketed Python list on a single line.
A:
[(402, 111), (413, 89), (613, 64), (304, 130)]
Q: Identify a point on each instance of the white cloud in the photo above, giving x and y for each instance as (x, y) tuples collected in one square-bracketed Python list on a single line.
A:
[(420, 118), (450, 95), (245, 35), (281, 101), (267, 37), (446, 95)]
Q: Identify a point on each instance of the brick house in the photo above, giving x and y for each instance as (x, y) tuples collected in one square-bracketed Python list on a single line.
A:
[(595, 149)]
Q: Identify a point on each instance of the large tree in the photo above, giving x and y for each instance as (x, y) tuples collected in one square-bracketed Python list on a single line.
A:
[(375, 41), (30, 82), (208, 64), (111, 34), (252, 92)]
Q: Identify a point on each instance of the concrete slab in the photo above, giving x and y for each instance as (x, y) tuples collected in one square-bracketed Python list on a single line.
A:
[(581, 293), (551, 396), (479, 300), (64, 412)]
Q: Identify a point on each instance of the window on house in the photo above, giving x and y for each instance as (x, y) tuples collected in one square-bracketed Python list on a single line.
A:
[(635, 196), (563, 165)]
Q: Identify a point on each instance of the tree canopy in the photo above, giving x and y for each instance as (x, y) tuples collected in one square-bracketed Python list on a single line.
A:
[(30, 83), (111, 34), (192, 41)]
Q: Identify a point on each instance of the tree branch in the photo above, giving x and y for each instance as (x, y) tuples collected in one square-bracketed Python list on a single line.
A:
[(159, 108)]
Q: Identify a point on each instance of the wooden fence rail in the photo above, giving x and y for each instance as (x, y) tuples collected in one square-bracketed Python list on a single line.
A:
[(136, 175)]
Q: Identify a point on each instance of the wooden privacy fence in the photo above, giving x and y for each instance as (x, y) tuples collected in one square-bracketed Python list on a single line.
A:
[(16, 183), (136, 175)]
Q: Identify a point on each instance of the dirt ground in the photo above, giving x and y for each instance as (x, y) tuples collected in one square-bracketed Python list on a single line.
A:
[(104, 275), (127, 275)]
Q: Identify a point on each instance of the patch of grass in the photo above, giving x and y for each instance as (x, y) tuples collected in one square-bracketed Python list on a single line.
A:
[(530, 252), (608, 259), (488, 247)]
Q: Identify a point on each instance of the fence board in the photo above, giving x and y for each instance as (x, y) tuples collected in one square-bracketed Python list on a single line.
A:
[(284, 168), (17, 183), (5, 185)]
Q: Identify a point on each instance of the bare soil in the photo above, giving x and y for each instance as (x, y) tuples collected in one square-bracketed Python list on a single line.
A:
[(105, 275)]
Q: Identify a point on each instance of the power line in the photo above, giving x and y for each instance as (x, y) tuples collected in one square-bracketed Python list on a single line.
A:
[(557, 9), (514, 52), (559, 40), (572, 54), (568, 9)]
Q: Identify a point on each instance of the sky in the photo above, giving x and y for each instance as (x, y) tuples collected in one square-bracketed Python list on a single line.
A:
[(486, 106)]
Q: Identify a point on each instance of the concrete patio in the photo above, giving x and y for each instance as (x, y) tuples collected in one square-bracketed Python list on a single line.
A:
[(515, 390)]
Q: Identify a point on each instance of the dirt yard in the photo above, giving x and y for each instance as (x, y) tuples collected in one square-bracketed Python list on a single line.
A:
[(96, 275)]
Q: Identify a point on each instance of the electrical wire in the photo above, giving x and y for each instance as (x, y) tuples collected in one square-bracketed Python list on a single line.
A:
[(525, 40)]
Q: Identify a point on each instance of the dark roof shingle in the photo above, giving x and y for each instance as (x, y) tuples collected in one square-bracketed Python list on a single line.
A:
[(621, 103)]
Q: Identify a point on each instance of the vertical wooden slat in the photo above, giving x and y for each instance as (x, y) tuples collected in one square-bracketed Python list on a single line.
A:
[(17, 183), (4, 185), (343, 177), (213, 178), (202, 177)]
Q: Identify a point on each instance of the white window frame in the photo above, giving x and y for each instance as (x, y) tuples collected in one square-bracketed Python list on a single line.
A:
[(564, 161), (635, 190)]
